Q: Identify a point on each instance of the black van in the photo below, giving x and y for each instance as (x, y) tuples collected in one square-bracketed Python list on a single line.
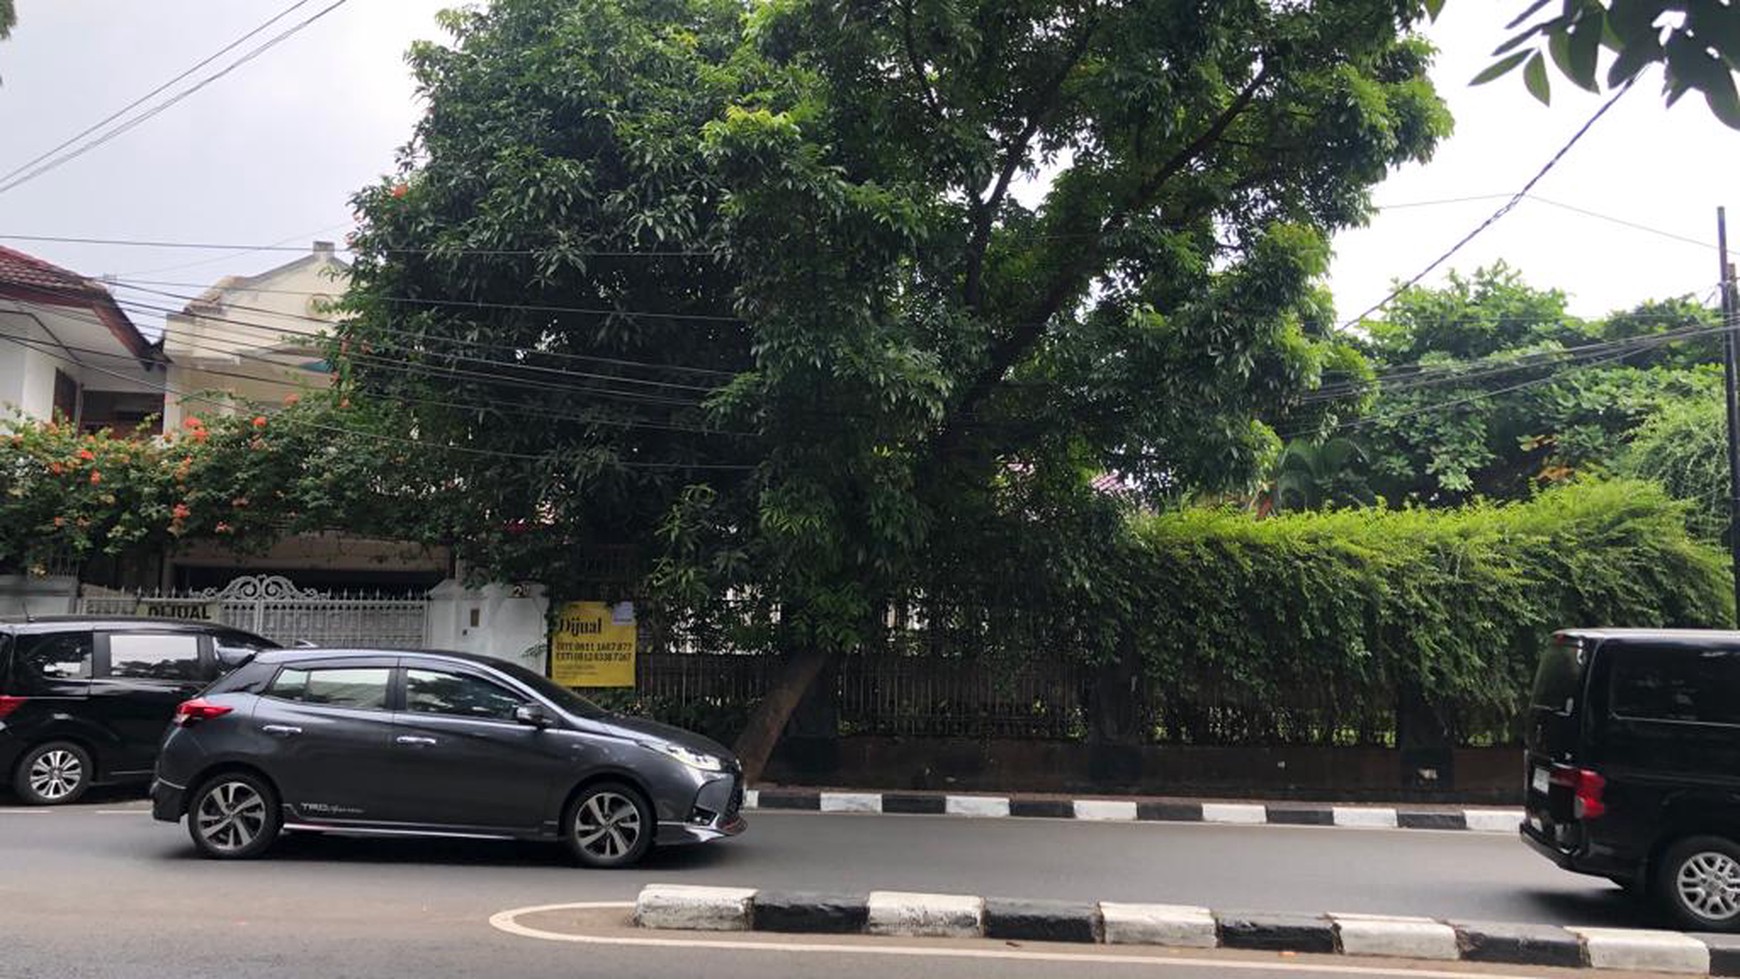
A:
[(85, 701), (1633, 768)]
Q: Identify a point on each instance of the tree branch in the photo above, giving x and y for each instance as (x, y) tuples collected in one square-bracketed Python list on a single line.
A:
[(985, 212), (925, 94), (1067, 282)]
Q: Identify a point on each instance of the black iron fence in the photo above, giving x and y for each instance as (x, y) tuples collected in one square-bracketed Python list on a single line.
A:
[(953, 697)]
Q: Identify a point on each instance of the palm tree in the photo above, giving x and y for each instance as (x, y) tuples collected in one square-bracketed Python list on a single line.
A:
[(1313, 475)]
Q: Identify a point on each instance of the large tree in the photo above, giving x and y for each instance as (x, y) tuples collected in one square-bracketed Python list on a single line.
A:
[(833, 307)]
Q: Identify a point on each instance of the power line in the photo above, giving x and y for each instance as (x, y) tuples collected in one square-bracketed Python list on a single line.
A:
[(1442, 200), (460, 303), (1621, 221), (510, 407), (220, 246), (1496, 215), (1610, 357), (128, 126), (369, 360), (417, 443), (283, 331), (232, 253), (1467, 372), (111, 117)]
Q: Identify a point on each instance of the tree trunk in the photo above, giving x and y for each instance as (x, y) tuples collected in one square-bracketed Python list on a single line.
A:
[(767, 722)]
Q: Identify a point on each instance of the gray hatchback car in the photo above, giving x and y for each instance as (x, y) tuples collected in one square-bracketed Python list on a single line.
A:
[(433, 743)]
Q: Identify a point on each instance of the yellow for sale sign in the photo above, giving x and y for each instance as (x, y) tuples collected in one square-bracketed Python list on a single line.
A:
[(592, 645)]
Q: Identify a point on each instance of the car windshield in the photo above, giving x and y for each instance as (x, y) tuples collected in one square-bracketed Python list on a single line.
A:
[(554, 692), (1559, 675)]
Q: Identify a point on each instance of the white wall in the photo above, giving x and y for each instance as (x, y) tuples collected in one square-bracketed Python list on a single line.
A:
[(27, 373), (504, 621), (245, 331)]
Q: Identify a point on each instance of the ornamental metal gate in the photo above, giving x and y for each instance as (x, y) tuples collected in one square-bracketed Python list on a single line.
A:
[(274, 607)]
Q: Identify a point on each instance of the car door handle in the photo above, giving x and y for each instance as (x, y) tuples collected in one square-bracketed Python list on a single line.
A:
[(414, 740), (281, 730)]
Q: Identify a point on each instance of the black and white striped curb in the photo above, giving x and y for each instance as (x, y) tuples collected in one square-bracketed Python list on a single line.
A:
[(691, 908), (1124, 810)]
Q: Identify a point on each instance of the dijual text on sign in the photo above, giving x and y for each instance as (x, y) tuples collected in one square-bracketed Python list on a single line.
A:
[(592, 645)]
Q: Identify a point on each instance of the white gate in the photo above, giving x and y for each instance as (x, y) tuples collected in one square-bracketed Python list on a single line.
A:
[(272, 606)]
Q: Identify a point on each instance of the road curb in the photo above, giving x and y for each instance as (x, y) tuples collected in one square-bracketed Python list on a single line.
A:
[(915, 915), (1125, 810)]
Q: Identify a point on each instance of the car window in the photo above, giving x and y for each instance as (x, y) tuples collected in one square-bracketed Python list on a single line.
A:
[(1559, 675), (54, 656), (436, 692), (1677, 685), (333, 686), (154, 656)]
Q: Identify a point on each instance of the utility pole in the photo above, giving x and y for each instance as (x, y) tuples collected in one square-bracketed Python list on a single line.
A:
[(1729, 369)]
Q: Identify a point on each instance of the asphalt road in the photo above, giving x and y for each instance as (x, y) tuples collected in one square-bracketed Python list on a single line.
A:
[(101, 890)]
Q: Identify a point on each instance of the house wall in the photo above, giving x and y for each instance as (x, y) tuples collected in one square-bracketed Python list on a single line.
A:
[(244, 342), (113, 381), (26, 374)]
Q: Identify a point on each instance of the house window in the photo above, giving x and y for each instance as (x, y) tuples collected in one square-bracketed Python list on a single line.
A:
[(66, 397)]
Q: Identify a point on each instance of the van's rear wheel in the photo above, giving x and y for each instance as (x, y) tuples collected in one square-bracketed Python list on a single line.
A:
[(1698, 880), (53, 774)]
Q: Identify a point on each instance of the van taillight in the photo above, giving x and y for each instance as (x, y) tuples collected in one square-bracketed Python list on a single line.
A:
[(10, 704), (191, 712), (1586, 789)]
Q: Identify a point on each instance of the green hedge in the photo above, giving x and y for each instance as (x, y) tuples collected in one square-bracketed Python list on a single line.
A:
[(1311, 627)]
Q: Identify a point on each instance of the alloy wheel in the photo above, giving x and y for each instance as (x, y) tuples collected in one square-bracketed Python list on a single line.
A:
[(231, 816), (608, 825), (56, 774), (1708, 883)]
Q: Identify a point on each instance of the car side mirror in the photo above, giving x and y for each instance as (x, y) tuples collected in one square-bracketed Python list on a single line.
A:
[(532, 714)]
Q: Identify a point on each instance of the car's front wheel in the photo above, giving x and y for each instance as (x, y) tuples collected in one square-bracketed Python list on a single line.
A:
[(53, 774), (1698, 879), (609, 825), (234, 816)]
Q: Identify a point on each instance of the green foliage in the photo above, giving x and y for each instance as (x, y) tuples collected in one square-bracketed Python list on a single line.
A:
[(778, 323), (1314, 475), (1355, 605), (1489, 388), (1697, 43), (1684, 448), (241, 479)]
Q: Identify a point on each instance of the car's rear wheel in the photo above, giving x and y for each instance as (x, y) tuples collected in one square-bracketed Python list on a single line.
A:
[(1698, 880), (234, 816), (609, 825), (53, 774)]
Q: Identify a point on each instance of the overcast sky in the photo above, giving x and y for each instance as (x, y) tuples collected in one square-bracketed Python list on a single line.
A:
[(272, 152)]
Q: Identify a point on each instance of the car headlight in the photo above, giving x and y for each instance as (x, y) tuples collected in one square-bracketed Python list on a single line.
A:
[(693, 759)]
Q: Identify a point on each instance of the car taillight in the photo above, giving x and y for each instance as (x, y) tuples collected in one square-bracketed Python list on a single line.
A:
[(1586, 789), (10, 704), (191, 712)]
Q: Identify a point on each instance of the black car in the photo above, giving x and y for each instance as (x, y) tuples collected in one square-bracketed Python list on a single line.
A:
[(85, 701), (426, 742), (1633, 768)]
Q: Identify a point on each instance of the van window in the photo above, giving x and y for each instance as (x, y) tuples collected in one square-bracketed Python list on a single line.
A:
[(154, 656), (1560, 675), (1688, 685), (51, 657)]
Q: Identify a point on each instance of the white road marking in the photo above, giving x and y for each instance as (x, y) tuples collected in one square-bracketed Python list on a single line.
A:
[(123, 812), (505, 921)]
